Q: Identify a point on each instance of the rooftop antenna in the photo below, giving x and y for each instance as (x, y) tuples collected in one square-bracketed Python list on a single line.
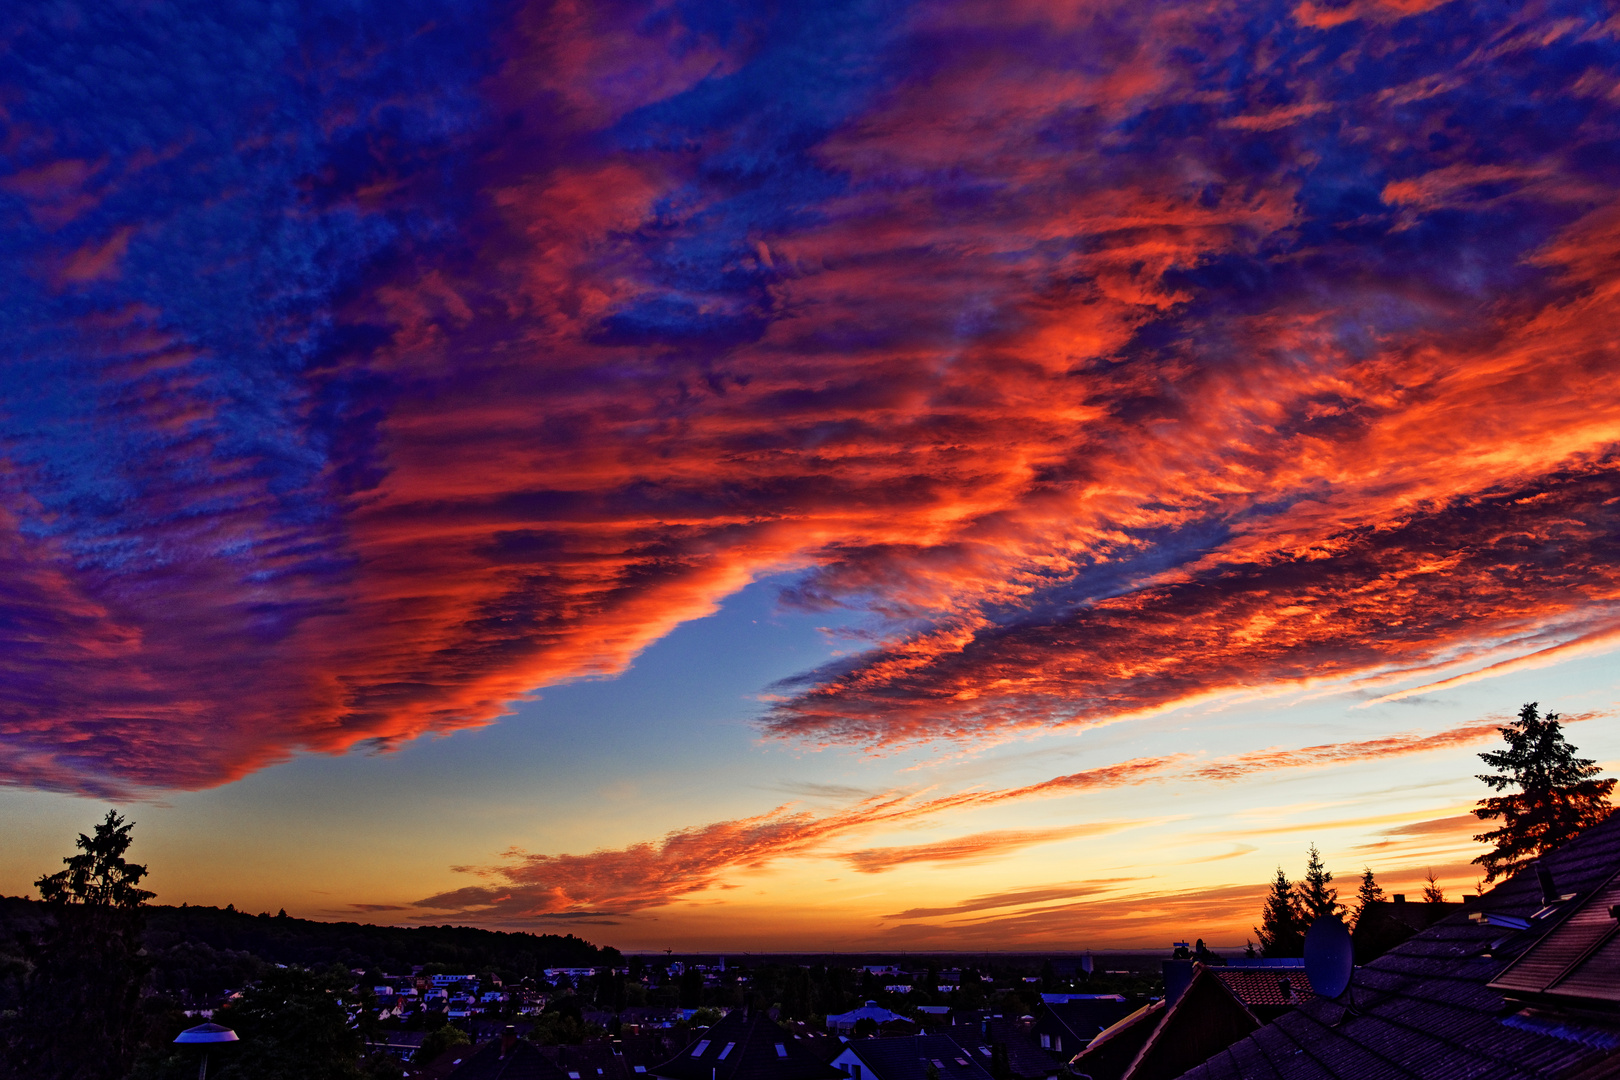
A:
[(207, 1034), (1329, 956)]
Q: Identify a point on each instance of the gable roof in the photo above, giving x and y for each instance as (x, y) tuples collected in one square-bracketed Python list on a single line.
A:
[(591, 1061), (1204, 1020), (908, 1057), (746, 1045), (1264, 986), (1162, 1040), (523, 1062), (1449, 1002), (1110, 1054), (1084, 1020), (1025, 1058)]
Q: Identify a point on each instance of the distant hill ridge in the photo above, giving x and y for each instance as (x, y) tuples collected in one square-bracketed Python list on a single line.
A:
[(282, 939)]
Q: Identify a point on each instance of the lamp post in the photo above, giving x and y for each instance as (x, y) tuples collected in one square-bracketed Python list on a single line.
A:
[(206, 1034)]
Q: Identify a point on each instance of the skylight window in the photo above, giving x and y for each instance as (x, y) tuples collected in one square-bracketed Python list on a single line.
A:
[(726, 1051), (781, 1051), (697, 1051)]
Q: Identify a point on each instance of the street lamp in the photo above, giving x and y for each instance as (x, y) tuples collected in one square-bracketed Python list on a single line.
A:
[(206, 1034)]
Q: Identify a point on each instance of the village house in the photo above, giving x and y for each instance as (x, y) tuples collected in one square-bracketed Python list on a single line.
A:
[(746, 1045), (907, 1057)]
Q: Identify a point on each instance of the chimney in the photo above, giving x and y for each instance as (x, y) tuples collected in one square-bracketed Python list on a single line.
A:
[(1399, 898), (1178, 975), (508, 1039), (1549, 892)]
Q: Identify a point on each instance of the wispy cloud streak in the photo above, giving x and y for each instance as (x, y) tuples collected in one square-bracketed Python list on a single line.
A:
[(687, 862)]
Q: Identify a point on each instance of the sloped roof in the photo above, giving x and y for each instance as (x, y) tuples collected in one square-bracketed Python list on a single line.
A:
[(523, 1062), (746, 1045), (1204, 1020), (1086, 1019), (1577, 961), (1110, 1054), (1025, 1058), (1426, 1009), (1162, 1040), (907, 1057), (592, 1061), (1263, 986)]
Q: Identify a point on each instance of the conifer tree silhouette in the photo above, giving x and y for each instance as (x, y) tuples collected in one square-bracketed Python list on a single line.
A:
[(1559, 794)]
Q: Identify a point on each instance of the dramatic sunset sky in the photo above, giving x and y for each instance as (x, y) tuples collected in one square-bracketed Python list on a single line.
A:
[(734, 474)]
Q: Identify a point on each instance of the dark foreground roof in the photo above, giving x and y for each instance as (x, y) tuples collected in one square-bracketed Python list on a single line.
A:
[(746, 1046), (1162, 1041), (908, 1057), (1428, 1009), (1025, 1058), (1085, 1019), (521, 1061)]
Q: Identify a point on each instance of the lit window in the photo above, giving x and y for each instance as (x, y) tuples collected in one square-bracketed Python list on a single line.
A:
[(781, 1051), (726, 1051), (703, 1044)]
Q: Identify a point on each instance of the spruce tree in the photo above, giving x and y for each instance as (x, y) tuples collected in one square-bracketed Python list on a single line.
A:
[(1369, 893), (1432, 893), (1559, 794), (79, 1015), (1317, 896), (1281, 930)]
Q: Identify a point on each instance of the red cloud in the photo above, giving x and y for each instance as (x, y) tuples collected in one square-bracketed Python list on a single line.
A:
[(1533, 564), (1101, 369)]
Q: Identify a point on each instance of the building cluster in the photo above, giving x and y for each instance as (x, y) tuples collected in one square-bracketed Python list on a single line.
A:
[(458, 996), (1520, 983)]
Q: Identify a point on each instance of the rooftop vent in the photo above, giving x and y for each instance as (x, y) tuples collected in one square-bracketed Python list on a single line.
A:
[(1549, 891)]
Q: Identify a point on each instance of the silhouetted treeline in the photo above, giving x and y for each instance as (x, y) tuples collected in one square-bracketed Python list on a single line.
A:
[(200, 951)]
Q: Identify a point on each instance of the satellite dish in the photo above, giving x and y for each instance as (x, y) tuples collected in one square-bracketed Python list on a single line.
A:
[(1329, 959), (206, 1033)]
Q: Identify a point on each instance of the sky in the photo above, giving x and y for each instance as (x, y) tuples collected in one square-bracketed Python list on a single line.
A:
[(732, 475)]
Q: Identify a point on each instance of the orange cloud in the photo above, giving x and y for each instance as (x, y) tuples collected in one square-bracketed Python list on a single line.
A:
[(1123, 917), (977, 847), (690, 861)]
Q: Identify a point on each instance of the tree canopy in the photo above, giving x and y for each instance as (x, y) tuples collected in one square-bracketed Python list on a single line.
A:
[(81, 1003), (1370, 892), (1282, 925), (1317, 896), (1559, 795)]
